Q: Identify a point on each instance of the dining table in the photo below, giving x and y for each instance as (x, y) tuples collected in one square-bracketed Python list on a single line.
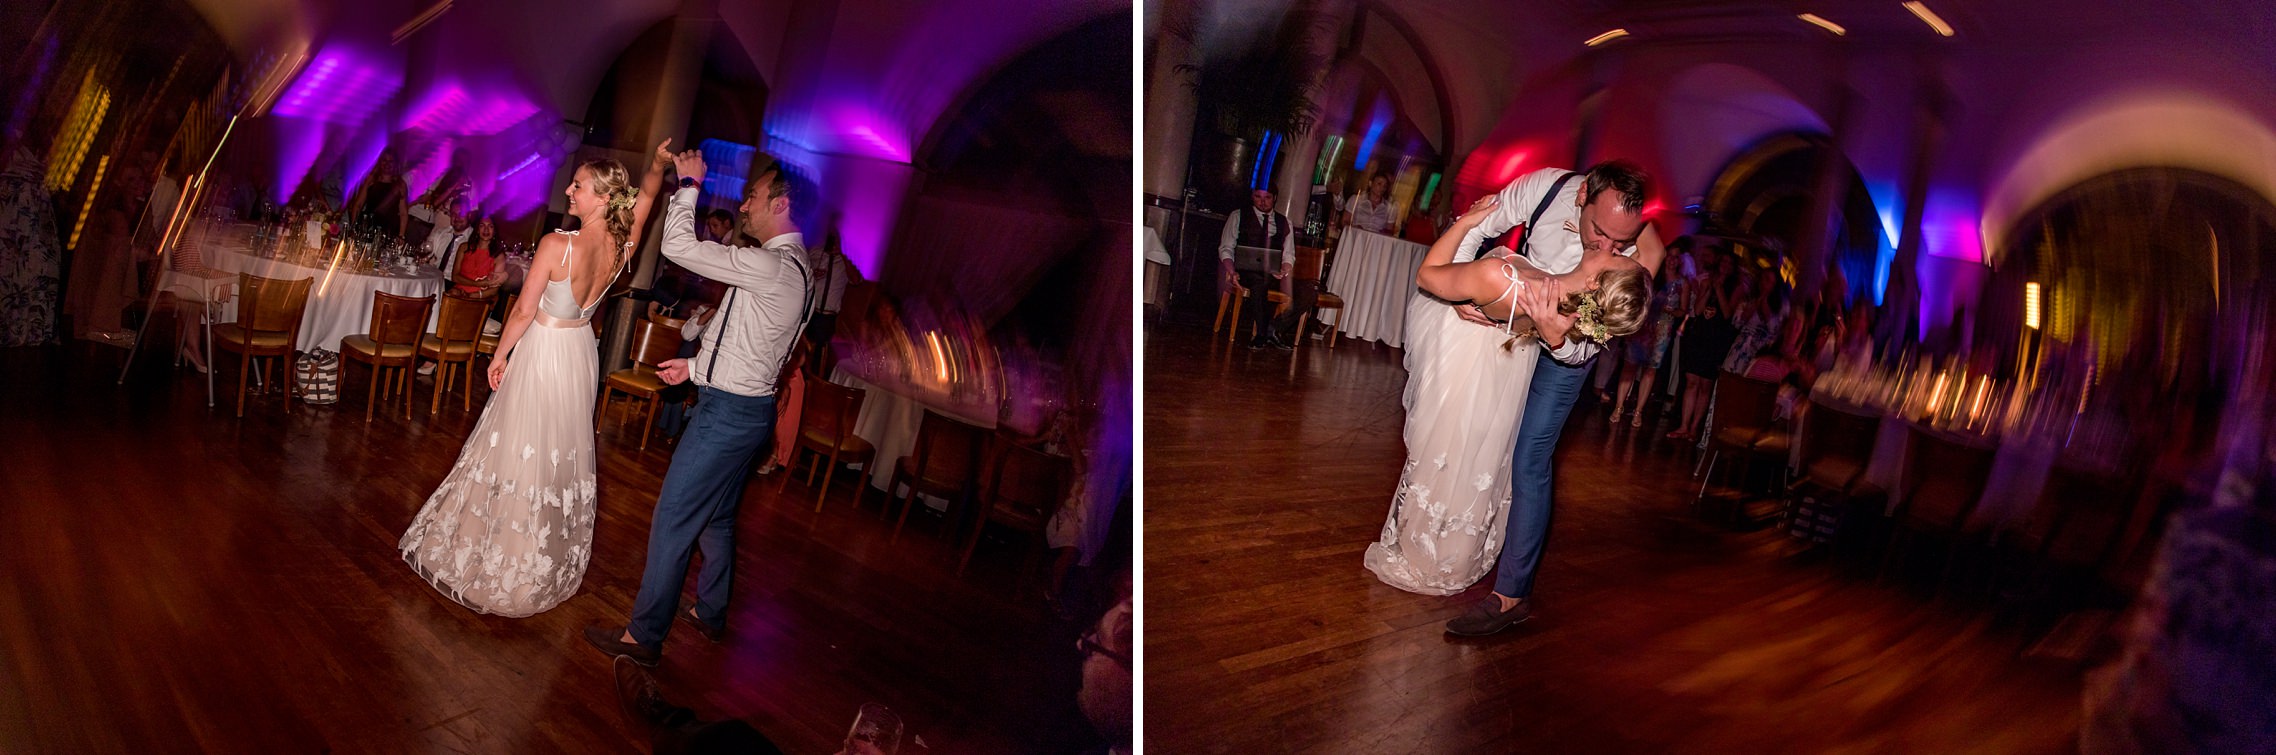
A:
[(339, 296), (1375, 275)]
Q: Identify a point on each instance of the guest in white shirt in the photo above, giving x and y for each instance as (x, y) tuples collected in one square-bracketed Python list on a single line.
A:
[(1371, 211), (744, 350), (1261, 226)]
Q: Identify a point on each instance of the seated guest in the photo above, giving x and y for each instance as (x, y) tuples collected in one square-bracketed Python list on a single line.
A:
[(450, 233), (1261, 226), (477, 264)]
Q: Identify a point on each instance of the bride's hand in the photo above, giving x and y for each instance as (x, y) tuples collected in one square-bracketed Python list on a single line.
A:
[(497, 372), (1471, 313), (1479, 209), (663, 155)]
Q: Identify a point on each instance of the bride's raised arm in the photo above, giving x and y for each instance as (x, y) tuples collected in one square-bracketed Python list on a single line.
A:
[(650, 184)]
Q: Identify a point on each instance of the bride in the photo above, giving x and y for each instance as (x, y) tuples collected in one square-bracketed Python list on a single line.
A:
[(1465, 393), (509, 531)]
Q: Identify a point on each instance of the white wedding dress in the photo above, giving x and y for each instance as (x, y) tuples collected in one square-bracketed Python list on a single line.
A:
[(510, 530), (1466, 387)]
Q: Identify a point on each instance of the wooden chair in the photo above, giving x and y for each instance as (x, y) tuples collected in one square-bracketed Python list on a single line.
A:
[(487, 343), (392, 343), (945, 463), (268, 324), (451, 346), (1240, 295), (1835, 449), (2075, 529), (1745, 411), (1943, 480), (825, 429), (1309, 261), (652, 343), (1023, 490)]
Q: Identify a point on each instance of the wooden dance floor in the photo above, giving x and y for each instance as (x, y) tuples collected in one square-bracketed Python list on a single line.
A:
[(1268, 474), (178, 579)]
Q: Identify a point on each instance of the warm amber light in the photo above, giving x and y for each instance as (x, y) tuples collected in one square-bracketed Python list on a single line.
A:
[(1929, 16), (2031, 306), (1606, 37), (1821, 23)]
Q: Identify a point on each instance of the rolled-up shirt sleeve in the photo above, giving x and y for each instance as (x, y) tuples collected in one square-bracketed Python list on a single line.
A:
[(1576, 351), (1232, 231)]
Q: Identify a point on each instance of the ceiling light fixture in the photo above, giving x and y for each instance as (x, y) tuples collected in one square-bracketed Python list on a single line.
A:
[(1930, 17), (1606, 37), (1820, 22)]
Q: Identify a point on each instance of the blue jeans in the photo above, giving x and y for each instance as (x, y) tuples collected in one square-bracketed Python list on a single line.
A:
[(1547, 404), (697, 508)]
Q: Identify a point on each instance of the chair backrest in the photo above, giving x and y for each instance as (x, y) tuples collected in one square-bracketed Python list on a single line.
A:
[(461, 318), (2090, 509), (830, 408), (271, 305), (1831, 433), (398, 320), (948, 450), (653, 342), (1308, 261), (1944, 478), (1744, 402), (1031, 481)]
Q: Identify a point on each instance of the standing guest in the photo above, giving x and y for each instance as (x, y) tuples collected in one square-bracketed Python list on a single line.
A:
[(1371, 211), (31, 254), (381, 202)]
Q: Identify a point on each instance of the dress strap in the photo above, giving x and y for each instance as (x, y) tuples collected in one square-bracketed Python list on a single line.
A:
[(1509, 271), (566, 247)]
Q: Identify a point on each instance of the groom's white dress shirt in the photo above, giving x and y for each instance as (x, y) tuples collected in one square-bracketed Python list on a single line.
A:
[(1555, 245)]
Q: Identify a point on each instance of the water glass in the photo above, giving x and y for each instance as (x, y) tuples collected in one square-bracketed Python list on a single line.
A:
[(876, 731)]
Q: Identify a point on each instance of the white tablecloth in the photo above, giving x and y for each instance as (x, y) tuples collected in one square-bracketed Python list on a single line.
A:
[(337, 309), (1375, 274), (2020, 467), (890, 422)]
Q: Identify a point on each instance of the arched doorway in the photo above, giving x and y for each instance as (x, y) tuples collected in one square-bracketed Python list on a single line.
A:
[(2155, 280), (1760, 202)]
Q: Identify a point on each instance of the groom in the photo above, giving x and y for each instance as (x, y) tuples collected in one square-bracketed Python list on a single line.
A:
[(1593, 214), (743, 351)]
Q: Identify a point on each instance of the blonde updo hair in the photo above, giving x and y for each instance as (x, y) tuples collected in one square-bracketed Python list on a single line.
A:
[(614, 184), (1623, 298)]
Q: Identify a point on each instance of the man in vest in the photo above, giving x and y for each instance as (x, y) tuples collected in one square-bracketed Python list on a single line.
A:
[(1261, 226)]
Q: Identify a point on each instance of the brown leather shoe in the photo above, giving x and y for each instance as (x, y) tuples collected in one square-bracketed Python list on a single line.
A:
[(605, 639), (1486, 617)]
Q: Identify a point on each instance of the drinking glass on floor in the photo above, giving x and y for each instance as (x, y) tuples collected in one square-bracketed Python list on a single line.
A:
[(876, 731)]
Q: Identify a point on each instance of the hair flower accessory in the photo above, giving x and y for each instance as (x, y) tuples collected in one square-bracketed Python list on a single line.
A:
[(625, 199)]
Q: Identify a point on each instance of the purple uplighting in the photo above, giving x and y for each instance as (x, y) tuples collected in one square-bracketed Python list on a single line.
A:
[(339, 89), (451, 109)]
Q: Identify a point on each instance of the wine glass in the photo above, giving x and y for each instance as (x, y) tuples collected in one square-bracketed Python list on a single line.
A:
[(876, 731)]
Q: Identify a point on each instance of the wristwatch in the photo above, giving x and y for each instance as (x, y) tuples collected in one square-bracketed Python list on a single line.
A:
[(687, 182)]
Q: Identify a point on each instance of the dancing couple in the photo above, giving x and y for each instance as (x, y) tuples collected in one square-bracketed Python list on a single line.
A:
[(510, 530), (1497, 350)]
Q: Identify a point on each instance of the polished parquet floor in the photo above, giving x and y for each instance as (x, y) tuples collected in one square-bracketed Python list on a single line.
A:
[(1268, 473), (179, 580)]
